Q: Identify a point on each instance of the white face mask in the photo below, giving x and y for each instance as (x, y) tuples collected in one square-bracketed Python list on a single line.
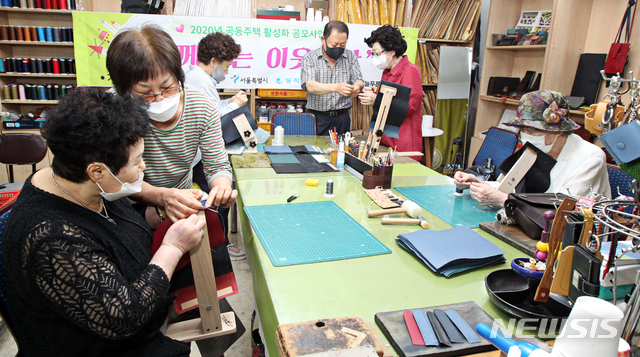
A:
[(165, 110), (381, 61), (127, 188), (218, 75), (537, 141)]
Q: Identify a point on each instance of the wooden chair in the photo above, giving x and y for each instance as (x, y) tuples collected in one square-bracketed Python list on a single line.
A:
[(499, 144), (21, 149), (211, 323), (295, 123)]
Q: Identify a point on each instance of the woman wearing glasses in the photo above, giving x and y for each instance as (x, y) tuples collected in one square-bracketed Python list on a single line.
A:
[(146, 63), (387, 50)]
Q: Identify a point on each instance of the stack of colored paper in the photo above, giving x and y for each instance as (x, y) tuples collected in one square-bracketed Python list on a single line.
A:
[(451, 251)]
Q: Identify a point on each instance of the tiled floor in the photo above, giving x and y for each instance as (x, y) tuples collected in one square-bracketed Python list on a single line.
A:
[(242, 303)]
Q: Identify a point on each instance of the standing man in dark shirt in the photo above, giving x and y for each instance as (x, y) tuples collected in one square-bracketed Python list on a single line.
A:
[(331, 76)]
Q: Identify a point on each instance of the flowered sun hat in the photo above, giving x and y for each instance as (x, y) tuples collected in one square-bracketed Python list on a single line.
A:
[(544, 110)]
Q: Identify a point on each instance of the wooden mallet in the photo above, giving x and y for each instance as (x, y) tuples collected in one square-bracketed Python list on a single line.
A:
[(409, 221), (410, 208)]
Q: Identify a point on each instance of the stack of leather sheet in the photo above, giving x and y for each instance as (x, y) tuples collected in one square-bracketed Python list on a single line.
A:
[(451, 251)]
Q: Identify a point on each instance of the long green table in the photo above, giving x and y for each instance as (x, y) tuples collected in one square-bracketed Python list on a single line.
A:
[(361, 286)]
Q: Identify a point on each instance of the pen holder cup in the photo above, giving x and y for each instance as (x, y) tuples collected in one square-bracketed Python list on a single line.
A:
[(377, 177)]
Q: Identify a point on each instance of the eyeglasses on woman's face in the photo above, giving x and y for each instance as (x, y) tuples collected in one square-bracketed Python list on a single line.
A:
[(166, 93)]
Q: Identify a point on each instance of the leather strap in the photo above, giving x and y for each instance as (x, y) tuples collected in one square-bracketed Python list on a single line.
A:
[(426, 330), (414, 331), (449, 327), (437, 327), (463, 326), (588, 288)]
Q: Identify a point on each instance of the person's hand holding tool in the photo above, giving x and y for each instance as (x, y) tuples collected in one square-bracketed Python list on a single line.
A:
[(344, 89), (486, 195), (223, 196), (240, 98), (180, 204), (463, 180), (368, 97)]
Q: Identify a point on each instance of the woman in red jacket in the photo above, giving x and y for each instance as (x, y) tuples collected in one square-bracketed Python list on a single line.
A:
[(387, 49)]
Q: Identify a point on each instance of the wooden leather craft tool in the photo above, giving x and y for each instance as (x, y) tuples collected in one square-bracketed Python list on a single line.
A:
[(562, 277), (555, 243), (246, 133), (410, 208), (376, 134), (518, 171), (408, 221)]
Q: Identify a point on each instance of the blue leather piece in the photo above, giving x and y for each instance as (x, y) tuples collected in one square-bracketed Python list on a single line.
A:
[(426, 330), (622, 143), (463, 326)]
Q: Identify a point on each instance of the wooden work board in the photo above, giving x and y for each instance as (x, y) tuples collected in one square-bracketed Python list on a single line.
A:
[(309, 337), (394, 328), (512, 235)]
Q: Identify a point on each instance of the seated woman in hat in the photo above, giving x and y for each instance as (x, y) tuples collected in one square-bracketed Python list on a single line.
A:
[(542, 118)]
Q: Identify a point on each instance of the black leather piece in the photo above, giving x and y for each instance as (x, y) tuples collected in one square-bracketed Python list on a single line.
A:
[(229, 130), (587, 81), (451, 330), (584, 273), (439, 330)]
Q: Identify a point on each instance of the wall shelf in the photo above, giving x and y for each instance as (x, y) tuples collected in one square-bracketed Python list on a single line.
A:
[(36, 11), (37, 43), (518, 48), (37, 75), (32, 102)]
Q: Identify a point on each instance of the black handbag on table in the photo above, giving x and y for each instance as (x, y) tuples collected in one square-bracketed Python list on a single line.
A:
[(527, 210)]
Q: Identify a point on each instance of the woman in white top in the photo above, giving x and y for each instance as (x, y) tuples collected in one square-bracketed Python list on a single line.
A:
[(216, 53), (580, 167)]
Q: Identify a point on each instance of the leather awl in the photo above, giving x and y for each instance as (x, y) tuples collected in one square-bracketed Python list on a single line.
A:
[(408, 221)]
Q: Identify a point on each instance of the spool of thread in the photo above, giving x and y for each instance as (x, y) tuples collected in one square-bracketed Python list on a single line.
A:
[(23, 4), (41, 35), (72, 70), (25, 65), (278, 136), (6, 3), (42, 92), (27, 33), (56, 34), (21, 94), (329, 190), (17, 64), (599, 342), (70, 32), (19, 33), (37, 4), (7, 92), (64, 68), (9, 65), (310, 16), (12, 33), (64, 35), (48, 69), (55, 90), (40, 65), (34, 33), (49, 34), (33, 67), (2, 65), (4, 33), (30, 4), (318, 17), (49, 91), (56, 65), (14, 92)]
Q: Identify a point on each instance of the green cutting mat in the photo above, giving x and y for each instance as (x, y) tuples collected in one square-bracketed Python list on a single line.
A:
[(311, 232), (455, 210)]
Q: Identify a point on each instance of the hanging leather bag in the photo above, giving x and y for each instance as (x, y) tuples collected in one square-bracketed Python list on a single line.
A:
[(618, 52)]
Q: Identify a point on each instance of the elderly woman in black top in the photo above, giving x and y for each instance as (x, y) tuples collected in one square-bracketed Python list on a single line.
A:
[(80, 273)]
